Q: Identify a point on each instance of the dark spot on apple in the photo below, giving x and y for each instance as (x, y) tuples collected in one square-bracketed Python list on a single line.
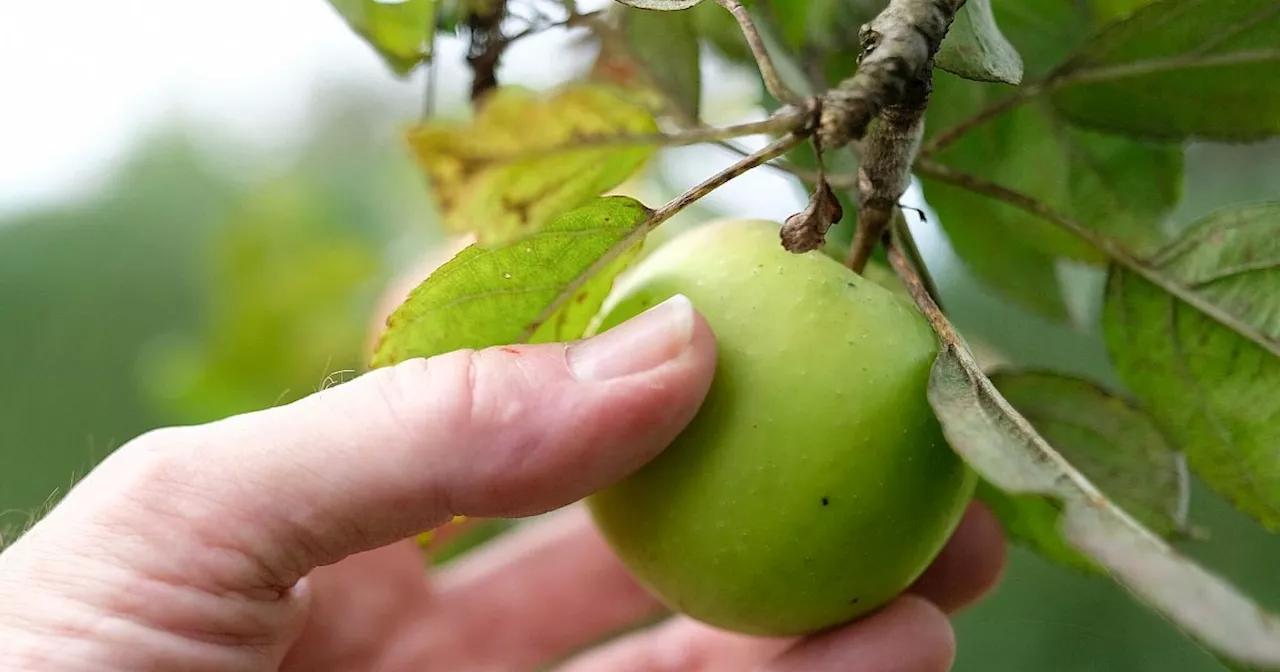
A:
[(853, 601), (852, 284), (826, 501)]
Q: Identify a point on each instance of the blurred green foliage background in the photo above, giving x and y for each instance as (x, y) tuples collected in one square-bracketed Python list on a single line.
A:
[(188, 288)]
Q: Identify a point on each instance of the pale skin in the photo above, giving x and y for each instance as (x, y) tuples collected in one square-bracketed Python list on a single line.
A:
[(282, 539)]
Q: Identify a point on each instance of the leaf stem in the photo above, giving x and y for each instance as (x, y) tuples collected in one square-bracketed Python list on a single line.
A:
[(915, 285), (790, 120), (660, 216), (753, 160), (1112, 249), (899, 236), (772, 81)]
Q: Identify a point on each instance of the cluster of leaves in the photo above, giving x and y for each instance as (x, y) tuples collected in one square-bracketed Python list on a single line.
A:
[(1056, 132)]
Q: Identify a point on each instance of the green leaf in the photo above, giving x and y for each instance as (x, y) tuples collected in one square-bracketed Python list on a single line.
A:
[(1110, 441), (654, 50), (1180, 69), (528, 158), (1006, 451), (1035, 523), (976, 49), (1016, 269), (1117, 185), (667, 44), (544, 287), (1212, 381), (479, 534), (399, 31), (1044, 32)]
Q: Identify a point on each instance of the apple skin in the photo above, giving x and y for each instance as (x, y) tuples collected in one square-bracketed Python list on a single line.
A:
[(814, 485)]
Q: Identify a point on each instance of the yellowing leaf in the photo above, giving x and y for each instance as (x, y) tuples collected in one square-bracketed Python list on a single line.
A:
[(399, 31), (526, 159), (544, 287)]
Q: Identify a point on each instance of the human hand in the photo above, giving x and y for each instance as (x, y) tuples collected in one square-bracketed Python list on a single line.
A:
[(282, 539)]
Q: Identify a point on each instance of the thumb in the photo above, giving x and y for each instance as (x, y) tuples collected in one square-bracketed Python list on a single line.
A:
[(509, 431)]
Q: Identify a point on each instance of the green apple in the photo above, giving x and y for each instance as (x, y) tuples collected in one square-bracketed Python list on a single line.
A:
[(814, 485)]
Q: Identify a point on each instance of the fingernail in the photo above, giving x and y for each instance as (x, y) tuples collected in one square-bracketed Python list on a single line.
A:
[(644, 342)]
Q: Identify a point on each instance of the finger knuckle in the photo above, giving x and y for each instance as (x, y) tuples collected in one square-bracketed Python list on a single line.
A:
[(410, 393), (937, 644), (158, 460)]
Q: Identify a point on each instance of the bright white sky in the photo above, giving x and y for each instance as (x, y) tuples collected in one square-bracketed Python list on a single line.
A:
[(81, 79)]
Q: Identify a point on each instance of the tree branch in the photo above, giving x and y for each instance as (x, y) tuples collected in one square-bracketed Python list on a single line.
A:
[(898, 48), (884, 106), (1112, 249), (429, 89), (885, 171), (486, 48), (772, 82)]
